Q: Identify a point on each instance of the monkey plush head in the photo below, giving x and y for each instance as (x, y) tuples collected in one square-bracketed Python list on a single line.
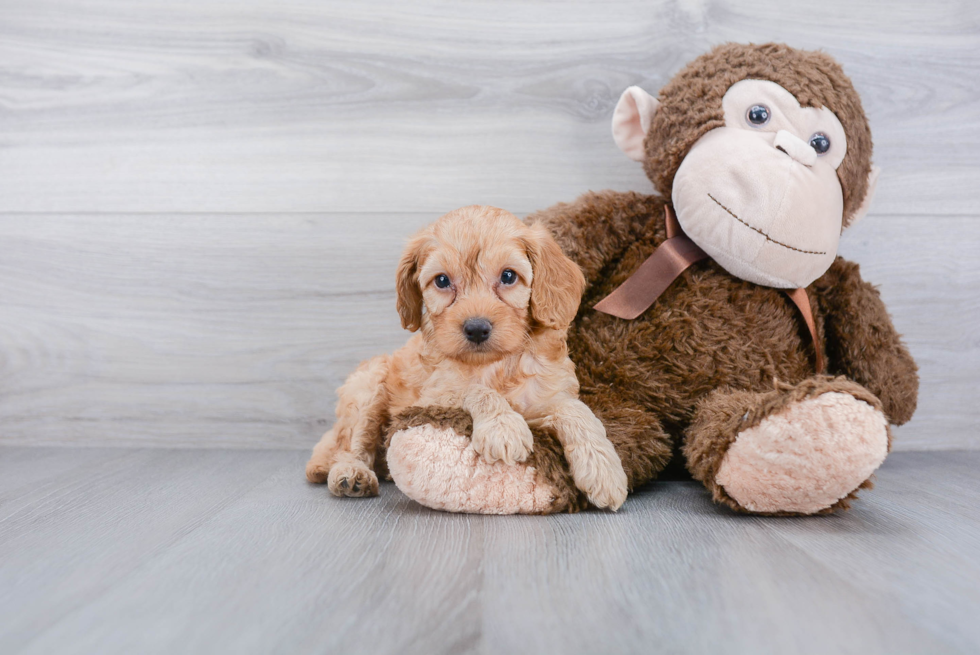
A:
[(765, 153)]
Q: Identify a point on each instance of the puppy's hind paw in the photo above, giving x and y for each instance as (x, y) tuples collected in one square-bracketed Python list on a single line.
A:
[(352, 479)]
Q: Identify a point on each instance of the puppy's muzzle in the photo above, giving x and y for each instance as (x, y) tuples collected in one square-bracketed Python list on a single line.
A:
[(477, 330)]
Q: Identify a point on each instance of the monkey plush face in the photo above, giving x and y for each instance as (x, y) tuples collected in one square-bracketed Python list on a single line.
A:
[(762, 181), (760, 194)]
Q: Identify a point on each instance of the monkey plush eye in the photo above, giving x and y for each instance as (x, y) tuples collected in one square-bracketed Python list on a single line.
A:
[(508, 277), (758, 115), (820, 143), (442, 281)]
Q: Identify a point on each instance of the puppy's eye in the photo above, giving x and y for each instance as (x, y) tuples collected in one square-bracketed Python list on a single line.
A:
[(757, 115), (508, 276), (442, 281)]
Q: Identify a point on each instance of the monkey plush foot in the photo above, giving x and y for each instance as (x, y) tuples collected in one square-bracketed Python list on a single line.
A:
[(802, 450), (431, 459), (439, 468), (807, 457)]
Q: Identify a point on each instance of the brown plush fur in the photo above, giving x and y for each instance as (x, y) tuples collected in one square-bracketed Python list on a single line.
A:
[(714, 348), (711, 331), (891, 374)]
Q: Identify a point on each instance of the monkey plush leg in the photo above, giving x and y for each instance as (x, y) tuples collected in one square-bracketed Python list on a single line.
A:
[(803, 449), (431, 460)]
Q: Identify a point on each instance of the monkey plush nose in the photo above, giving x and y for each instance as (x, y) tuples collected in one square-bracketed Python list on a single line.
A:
[(477, 330), (795, 147)]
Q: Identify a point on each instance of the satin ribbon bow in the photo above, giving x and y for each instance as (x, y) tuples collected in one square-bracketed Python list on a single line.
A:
[(668, 261)]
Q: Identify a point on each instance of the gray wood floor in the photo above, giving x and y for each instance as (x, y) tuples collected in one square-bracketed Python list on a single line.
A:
[(211, 551)]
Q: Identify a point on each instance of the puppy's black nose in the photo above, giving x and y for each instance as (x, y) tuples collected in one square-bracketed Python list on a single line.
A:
[(477, 330)]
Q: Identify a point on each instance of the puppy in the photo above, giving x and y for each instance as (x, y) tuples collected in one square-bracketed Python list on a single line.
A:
[(490, 299)]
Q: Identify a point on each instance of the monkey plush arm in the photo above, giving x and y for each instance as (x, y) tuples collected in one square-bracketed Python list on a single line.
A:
[(596, 228), (863, 344)]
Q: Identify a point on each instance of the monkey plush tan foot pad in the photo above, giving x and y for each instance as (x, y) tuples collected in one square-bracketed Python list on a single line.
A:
[(431, 460), (439, 469), (806, 457)]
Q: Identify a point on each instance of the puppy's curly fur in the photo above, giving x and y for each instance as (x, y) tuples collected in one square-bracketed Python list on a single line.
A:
[(491, 300)]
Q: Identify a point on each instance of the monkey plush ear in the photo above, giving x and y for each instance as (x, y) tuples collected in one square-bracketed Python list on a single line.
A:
[(861, 211), (632, 119)]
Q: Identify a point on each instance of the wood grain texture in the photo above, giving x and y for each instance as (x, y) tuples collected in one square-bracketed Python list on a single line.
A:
[(255, 106), (929, 279), (234, 331), (208, 330), (201, 202), (163, 551), (201, 206)]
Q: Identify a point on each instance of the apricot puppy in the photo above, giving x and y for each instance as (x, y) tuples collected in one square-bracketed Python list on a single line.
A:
[(491, 300)]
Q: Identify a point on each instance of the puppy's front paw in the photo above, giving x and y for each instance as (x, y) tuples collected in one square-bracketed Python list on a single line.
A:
[(598, 471), (352, 479), (503, 437)]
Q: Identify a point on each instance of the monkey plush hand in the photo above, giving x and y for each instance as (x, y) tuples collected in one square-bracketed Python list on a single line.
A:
[(764, 154)]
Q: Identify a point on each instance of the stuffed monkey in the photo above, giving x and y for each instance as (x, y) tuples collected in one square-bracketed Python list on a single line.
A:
[(779, 403)]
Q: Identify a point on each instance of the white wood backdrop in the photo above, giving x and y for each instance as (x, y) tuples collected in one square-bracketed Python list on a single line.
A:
[(201, 202)]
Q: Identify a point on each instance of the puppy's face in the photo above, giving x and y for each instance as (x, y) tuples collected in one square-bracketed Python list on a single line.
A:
[(478, 281)]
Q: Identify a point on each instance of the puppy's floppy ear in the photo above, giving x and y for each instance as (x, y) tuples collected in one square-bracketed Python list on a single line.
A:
[(557, 282), (407, 283)]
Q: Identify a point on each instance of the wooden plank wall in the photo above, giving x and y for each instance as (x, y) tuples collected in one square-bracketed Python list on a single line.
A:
[(201, 201)]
